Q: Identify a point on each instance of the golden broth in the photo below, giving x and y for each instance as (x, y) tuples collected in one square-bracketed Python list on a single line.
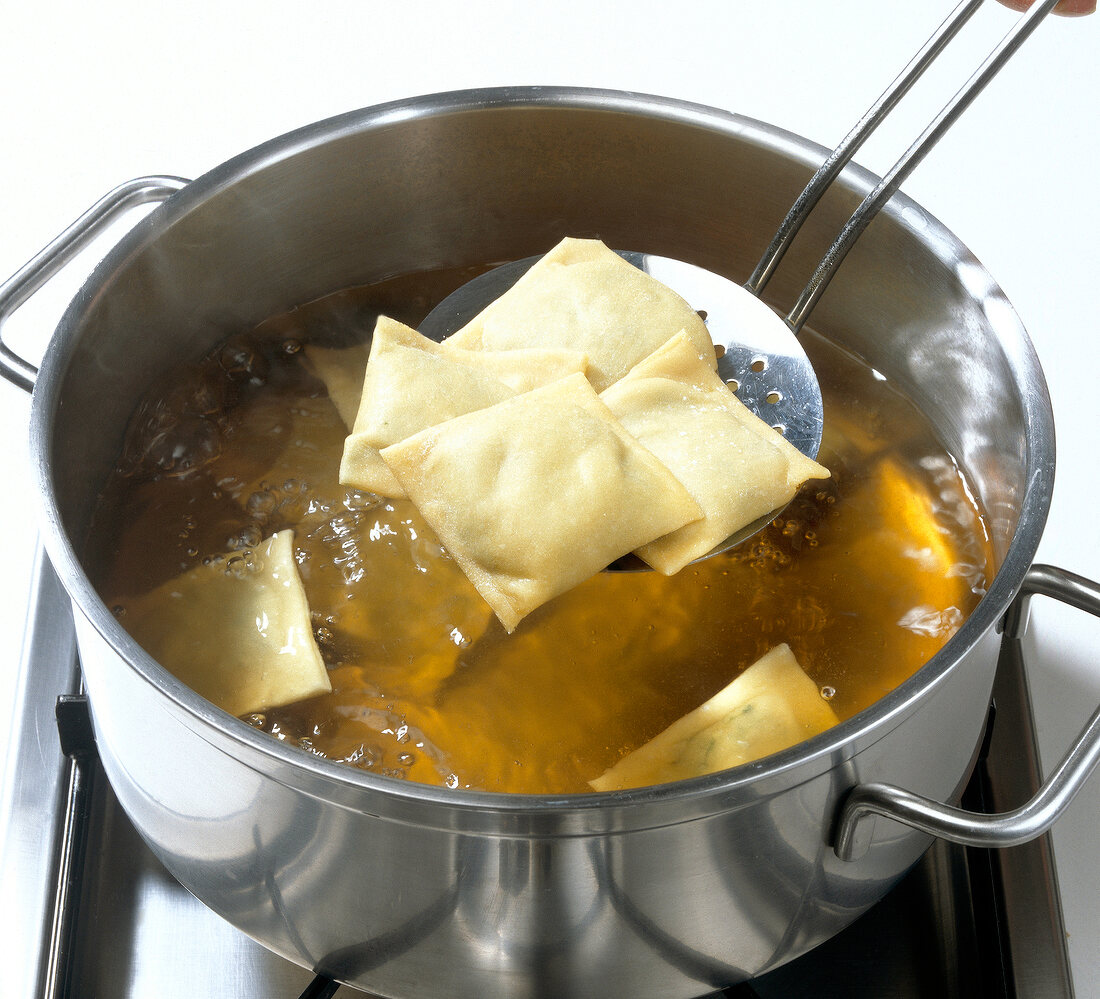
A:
[(865, 576)]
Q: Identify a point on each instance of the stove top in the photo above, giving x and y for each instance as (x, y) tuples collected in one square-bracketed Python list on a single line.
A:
[(98, 916)]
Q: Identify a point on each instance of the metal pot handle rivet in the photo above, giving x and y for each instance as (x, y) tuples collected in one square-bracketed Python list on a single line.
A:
[(45, 264), (971, 828)]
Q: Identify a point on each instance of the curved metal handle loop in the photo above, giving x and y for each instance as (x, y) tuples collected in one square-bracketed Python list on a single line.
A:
[(45, 264), (1007, 828)]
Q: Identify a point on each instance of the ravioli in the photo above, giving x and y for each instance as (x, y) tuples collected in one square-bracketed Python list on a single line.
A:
[(523, 368), (292, 446), (734, 465), (412, 383), (341, 369), (537, 493), (583, 296), (772, 705), (236, 630)]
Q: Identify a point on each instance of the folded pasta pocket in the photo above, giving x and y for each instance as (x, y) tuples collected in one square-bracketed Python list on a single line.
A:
[(412, 382), (236, 630), (341, 369), (769, 707), (522, 369), (735, 466), (284, 445), (537, 493), (583, 296), (408, 385)]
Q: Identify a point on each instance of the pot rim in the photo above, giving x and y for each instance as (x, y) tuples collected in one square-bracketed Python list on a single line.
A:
[(817, 754)]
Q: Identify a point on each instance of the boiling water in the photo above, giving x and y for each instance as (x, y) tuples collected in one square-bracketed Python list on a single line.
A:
[(865, 576)]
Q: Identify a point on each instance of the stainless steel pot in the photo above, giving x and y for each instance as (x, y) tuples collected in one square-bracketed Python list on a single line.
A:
[(405, 889)]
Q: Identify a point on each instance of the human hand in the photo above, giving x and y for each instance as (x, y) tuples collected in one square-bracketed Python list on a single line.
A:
[(1071, 8)]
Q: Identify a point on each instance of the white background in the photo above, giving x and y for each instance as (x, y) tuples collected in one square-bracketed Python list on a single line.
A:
[(93, 94)]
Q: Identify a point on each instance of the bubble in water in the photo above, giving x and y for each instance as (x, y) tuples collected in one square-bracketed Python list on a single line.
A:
[(356, 755), (808, 616), (241, 363), (208, 398), (381, 530), (425, 551), (249, 537), (262, 503), (828, 693), (240, 564), (356, 499), (933, 623), (181, 446)]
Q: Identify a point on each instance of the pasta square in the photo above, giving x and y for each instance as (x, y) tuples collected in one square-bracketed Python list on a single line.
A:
[(535, 494), (772, 705), (237, 630), (341, 369), (583, 296), (734, 465), (412, 382)]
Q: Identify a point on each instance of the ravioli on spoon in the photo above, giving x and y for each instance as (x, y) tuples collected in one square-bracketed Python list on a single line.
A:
[(736, 467), (537, 493), (411, 383), (582, 296), (759, 354)]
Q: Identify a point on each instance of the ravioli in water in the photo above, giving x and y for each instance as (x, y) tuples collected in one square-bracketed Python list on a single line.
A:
[(237, 630), (538, 493), (341, 369), (582, 296), (734, 465), (412, 383), (771, 706)]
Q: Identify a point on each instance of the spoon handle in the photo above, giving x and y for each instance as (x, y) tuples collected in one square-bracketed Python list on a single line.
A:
[(851, 143), (876, 114), (870, 206)]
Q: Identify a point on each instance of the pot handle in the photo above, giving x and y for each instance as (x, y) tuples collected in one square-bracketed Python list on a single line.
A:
[(45, 264), (972, 828)]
